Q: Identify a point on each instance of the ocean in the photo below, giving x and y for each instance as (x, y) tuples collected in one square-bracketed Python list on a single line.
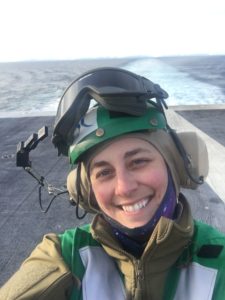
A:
[(35, 88)]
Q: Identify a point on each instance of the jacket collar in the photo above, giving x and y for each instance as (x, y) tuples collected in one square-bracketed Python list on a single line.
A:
[(166, 243)]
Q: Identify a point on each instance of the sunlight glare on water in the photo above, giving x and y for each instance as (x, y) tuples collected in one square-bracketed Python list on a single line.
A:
[(181, 87)]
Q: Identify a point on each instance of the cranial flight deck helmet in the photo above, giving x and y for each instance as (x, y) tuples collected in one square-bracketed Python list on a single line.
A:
[(123, 105)]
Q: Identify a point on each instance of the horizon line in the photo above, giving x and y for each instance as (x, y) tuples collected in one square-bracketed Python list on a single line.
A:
[(111, 57)]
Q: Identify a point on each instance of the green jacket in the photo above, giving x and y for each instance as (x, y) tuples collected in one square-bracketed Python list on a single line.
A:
[(182, 260)]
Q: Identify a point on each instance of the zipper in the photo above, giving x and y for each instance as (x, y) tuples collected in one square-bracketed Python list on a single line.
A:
[(138, 273), (139, 279)]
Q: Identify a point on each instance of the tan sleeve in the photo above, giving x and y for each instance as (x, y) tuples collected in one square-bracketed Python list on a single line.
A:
[(43, 275)]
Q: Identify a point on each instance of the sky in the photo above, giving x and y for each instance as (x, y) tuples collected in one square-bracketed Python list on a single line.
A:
[(77, 29)]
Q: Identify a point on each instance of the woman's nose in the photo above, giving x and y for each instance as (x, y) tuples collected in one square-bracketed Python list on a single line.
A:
[(125, 183)]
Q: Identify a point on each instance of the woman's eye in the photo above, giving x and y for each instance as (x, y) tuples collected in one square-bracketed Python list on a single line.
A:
[(103, 173), (139, 162)]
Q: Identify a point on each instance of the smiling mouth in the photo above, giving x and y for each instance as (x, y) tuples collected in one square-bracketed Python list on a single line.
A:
[(137, 206)]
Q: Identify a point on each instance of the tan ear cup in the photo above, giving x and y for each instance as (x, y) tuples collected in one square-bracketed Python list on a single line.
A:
[(84, 200), (71, 180), (198, 155)]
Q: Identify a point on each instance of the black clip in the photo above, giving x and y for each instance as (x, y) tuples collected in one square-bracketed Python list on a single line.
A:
[(24, 148)]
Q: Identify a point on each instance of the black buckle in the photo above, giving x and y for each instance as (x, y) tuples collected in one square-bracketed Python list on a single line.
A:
[(24, 148)]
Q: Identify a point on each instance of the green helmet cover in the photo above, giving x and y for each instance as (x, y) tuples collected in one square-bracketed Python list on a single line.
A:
[(99, 125)]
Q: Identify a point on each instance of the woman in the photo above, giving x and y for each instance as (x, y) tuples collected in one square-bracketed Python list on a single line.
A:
[(128, 166)]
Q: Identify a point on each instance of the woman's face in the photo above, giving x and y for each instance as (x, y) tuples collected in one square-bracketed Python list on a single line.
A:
[(129, 179)]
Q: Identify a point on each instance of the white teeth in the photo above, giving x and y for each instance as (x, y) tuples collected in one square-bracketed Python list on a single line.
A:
[(136, 206)]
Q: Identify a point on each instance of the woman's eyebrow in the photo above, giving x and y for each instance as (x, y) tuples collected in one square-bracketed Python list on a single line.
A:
[(103, 163), (135, 151), (98, 164)]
